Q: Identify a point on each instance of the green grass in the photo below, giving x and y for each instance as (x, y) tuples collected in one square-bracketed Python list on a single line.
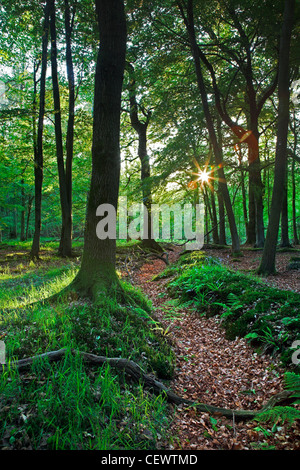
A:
[(268, 317), (66, 406), (69, 405)]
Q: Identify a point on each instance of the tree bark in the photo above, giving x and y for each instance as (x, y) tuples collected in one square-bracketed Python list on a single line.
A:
[(22, 229), (38, 156), (267, 265), (295, 232), (285, 241), (244, 201), (222, 228), (29, 206), (216, 238), (294, 212), (65, 248), (97, 271)]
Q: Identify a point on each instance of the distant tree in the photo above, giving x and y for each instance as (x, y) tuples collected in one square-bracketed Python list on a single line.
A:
[(38, 157), (267, 265), (65, 248), (140, 125), (244, 54), (188, 18)]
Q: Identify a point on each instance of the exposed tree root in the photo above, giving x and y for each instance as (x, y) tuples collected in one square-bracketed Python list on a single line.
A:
[(136, 373), (155, 255), (152, 245)]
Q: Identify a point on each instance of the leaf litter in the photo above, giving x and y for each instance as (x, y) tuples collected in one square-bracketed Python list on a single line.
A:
[(217, 371)]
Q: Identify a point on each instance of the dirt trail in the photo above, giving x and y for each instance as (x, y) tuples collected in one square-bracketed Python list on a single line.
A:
[(213, 370)]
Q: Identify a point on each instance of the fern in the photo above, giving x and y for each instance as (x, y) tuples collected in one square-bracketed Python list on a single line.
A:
[(285, 414), (292, 382), (233, 304)]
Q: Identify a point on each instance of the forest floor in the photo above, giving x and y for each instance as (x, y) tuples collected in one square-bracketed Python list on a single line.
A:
[(209, 368), (217, 371)]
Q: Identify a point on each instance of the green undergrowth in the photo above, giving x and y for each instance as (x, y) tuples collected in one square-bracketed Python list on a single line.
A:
[(247, 306), (68, 404)]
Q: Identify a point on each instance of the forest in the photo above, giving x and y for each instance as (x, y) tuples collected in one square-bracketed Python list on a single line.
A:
[(149, 227)]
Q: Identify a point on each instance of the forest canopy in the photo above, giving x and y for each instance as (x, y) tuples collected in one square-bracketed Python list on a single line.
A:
[(149, 224), (200, 94)]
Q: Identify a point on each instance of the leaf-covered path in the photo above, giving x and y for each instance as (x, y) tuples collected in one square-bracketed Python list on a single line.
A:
[(214, 370)]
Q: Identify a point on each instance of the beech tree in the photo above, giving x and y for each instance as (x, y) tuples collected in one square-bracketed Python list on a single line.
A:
[(234, 64), (188, 18), (140, 125), (267, 265), (97, 270), (38, 149)]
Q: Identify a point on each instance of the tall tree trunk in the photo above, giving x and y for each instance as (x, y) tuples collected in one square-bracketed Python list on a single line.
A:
[(222, 229), (29, 206), (285, 241), (22, 231), (244, 199), (141, 129), (65, 248), (97, 271), (294, 212), (222, 214), (215, 231), (267, 265), (38, 154), (255, 181), (295, 233), (189, 21)]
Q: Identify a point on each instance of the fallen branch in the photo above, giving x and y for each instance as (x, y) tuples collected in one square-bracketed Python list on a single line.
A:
[(137, 374)]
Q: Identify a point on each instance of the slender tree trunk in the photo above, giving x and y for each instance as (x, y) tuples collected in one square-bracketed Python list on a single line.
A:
[(29, 207), (267, 265), (244, 199), (215, 231), (211, 130), (222, 229), (294, 212), (38, 156), (295, 233), (285, 241), (141, 129), (148, 240), (14, 227), (97, 271), (65, 248), (22, 231), (222, 214), (207, 232), (255, 181)]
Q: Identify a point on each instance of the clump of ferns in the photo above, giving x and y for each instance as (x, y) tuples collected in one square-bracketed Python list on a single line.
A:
[(284, 414)]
